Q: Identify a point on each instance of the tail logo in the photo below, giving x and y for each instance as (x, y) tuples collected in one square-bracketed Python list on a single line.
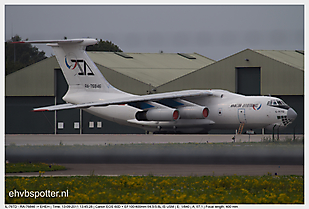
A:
[(81, 64), (69, 66)]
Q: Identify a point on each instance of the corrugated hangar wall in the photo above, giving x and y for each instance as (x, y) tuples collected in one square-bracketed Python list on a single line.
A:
[(34, 80), (277, 78)]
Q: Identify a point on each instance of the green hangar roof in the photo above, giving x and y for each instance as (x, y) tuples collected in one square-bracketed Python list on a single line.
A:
[(290, 57), (137, 73), (151, 68)]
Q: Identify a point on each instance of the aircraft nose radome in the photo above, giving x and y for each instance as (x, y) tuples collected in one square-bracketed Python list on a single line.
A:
[(292, 114)]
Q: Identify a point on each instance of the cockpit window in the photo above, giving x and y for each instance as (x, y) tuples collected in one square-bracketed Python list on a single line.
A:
[(278, 103)]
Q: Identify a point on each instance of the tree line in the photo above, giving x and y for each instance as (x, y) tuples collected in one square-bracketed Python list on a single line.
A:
[(18, 56)]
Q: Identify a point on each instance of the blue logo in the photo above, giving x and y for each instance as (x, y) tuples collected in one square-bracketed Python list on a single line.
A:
[(257, 106), (69, 66)]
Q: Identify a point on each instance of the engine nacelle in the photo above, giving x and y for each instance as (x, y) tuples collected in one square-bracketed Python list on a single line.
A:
[(193, 112), (157, 115)]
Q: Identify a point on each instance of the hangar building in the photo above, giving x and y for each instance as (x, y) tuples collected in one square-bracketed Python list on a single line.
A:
[(249, 72)]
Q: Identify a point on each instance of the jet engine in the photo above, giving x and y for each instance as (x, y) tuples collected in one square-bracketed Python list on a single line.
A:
[(193, 112), (157, 115)]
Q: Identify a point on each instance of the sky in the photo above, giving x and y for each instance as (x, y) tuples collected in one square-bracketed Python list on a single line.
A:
[(214, 31)]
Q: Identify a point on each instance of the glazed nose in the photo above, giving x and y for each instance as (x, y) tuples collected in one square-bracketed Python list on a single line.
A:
[(291, 114)]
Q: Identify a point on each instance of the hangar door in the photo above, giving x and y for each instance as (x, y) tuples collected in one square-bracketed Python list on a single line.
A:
[(248, 80)]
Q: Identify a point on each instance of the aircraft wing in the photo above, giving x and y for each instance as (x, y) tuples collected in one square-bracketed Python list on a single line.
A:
[(129, 100)]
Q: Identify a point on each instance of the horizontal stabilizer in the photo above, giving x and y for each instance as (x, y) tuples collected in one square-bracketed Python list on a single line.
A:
[(54, 107), (65, 41)]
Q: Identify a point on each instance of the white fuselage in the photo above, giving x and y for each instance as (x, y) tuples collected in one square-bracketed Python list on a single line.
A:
[(226, 111)]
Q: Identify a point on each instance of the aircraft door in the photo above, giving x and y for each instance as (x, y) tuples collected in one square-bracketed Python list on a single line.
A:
[(242, 116)]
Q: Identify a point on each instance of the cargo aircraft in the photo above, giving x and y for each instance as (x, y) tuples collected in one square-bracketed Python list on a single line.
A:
[(188, 111)]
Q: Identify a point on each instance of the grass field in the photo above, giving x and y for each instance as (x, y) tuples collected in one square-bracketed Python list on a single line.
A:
[(153, 189), (31, 167)]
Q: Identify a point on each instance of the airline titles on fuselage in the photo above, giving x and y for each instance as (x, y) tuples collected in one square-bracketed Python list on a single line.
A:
[(254, 106)]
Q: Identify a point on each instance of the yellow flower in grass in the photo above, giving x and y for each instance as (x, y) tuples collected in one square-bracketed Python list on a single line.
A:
[(248, 199), (245, 191), (272, 196), (80, 198), (181, 197), (283, 198)]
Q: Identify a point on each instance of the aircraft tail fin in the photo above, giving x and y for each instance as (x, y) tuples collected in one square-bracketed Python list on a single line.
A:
[(79, 70)]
